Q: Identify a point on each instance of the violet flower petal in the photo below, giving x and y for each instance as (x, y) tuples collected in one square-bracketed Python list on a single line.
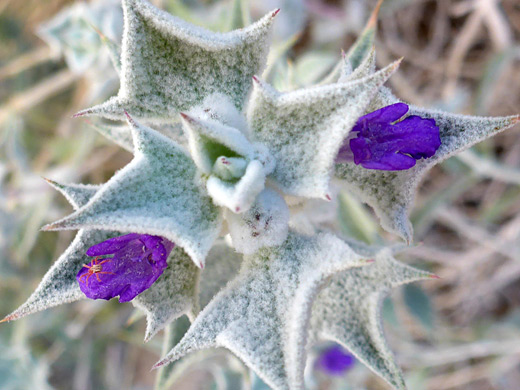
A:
[(385, 115), (111, 245), (135, 266), (377, 143), (335, 361)]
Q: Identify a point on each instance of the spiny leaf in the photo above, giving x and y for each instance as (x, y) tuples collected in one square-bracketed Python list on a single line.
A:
[(364, 69), (262, 316), (59, 285), (175, 293), (347, 311), (304, 129), (77, 195), (358, 52), (391, 193), (169, 65), (157, 193), (365, 42)]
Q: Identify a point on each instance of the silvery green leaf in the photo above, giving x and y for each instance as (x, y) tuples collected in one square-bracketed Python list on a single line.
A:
[(122, 134), (175, 132), (71, 33), (358, 52), (237, 169), (366, 40), (312, 66), (304, 129), (265, 224), (59, 285), (119, 134), (240, 14), (173, 294), (172, 335), (222, 264), (114, 51), (262, 315), (365, 68), (77, 195), (391, 193), (219, 108), (347, 311), (344, 69), (169, 65), (156, 193)]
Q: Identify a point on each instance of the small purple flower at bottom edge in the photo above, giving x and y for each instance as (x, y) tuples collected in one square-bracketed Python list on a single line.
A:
[(384, 145), (137, 262), (335, 361)]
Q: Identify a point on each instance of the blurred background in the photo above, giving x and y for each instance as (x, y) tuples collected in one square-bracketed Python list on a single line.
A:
[(460, 332)]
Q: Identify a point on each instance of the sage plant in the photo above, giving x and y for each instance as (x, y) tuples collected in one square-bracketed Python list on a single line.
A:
[(200, 222)]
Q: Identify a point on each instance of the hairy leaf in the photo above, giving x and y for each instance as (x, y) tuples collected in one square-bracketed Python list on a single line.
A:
[(77, 195), (119, 134), (364, 69), (358, 52), (209, 140), (347, 311), (304, 129), (59, 285), (122, 134), (175, 293), (262, 316), (169, 65), (157, 193)]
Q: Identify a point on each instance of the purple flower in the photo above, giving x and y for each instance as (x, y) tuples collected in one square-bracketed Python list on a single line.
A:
[(381, 144), (137, 261), (335, 361)]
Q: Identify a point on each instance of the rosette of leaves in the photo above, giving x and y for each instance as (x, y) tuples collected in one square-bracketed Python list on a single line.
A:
[(247, 150)]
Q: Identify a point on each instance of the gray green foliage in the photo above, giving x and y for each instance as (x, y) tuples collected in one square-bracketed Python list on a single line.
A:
[(172, 295), (59, 284), (169, 65), (348, 311), (157, 193), (262, 316), (219, 164), (304, 129)]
